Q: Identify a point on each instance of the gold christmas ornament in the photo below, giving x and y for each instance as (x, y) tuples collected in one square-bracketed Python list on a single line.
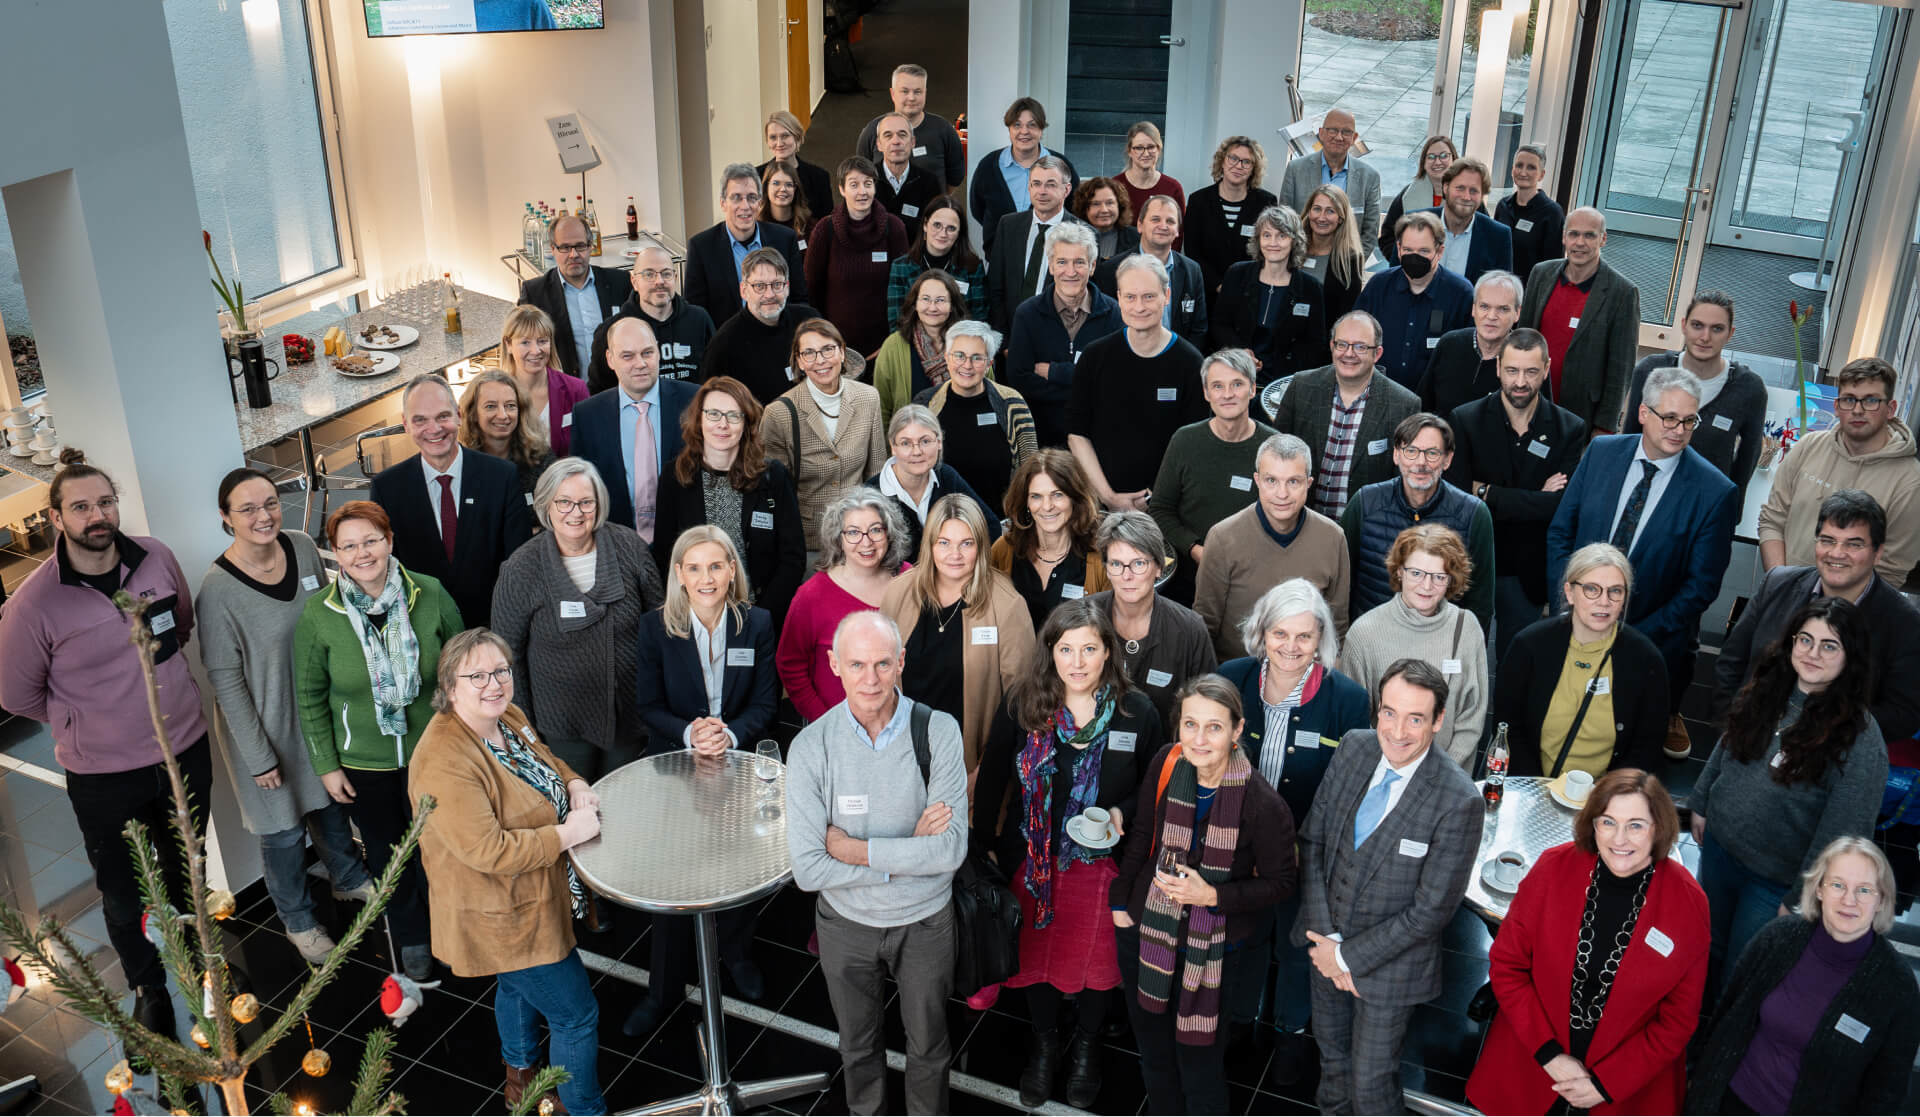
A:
[(316, 1063), (546, 1107), (120, 1078), (245, 1007), (220, 903), (199, 1036)]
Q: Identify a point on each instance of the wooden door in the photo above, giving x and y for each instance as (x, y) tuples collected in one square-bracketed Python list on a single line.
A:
[(799, 73)]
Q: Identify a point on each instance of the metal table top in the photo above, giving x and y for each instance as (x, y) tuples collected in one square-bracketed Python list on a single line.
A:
[(680, 833)]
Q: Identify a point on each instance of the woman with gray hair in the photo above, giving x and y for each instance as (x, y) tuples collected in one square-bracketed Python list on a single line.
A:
[(863, 537), (915, 476), (1162, 643), (988, 429), (568, 604), (1269, 304), (1298, 707), (1822, 1015)]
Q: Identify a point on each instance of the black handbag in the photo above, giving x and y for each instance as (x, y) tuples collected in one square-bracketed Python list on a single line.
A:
[(986, 913)]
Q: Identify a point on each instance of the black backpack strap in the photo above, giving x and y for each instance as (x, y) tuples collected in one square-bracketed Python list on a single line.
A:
[(918, 720), (793, 419)]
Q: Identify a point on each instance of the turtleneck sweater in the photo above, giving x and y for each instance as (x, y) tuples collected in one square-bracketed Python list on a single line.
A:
[(847, 264), (1394, 630)]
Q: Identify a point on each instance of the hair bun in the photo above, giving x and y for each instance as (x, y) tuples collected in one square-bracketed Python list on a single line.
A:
[(73, 455)]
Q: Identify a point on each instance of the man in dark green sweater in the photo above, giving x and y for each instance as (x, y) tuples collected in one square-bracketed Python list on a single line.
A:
[(1207, 474)]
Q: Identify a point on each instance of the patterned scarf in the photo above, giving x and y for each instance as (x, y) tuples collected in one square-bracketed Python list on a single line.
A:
[(1197, 1016), (1036, 764), (522, 761), (933, 354), (392, 653)]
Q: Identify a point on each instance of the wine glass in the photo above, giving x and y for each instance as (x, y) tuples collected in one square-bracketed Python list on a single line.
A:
[(766, 763), (1172, 862)]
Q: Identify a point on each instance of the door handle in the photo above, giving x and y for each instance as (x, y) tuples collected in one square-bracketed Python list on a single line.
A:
[(1170, 41), (793, 23)]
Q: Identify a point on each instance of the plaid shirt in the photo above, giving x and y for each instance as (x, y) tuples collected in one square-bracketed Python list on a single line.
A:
[(1336, 458)]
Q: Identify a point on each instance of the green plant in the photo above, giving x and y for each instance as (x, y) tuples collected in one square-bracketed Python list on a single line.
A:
[(232, 296)]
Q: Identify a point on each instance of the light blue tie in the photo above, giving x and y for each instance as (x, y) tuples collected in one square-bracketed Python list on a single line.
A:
[(1372, 809)]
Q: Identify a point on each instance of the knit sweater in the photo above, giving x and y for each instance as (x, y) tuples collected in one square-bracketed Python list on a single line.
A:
[(805, 641), (1213, 242), (1821, 463), (1128, 406), (823, 466), (756, 354), (836, 777), (1203, 480), (1243, 560), (1776, 830), (1396, 631), (573, 675), (847, 262)]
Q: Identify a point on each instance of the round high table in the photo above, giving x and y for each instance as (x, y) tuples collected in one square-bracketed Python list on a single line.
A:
[(682, 834)]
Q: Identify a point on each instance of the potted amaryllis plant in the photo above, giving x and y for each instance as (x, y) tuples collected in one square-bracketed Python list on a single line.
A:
[(1798, 316), (238, 322)]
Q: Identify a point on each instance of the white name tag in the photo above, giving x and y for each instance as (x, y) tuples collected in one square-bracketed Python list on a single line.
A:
[(1306, 739), (1449, 667), (986, 634), (469, 500), (853, 804), (921, 150), (963, 285), (1523, 225), (1411, 848), (567, 419), (1159, 678), (1722, 422), (1246, 230), (1377, 446), (1432, 341), (909, 211), (762, 520), (1573, 323), (1537, 448), (1186, 306), (1601, 685), (161, 622), (1072, 591), (572, 610), (1122, 742), (680, 350), (310, 582), (1076, 356), (1243, 484), (1168, 395), (529, 497), (1851, 1028), (1779, 758), (803, 244), (789, 372), (1658, 940), (985, 419), (739, 657), (1301, 310), (879, 257)]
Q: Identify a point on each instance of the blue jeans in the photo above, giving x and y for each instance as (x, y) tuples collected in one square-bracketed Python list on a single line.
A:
[(560, 992), (1740, 902), (284, 860)]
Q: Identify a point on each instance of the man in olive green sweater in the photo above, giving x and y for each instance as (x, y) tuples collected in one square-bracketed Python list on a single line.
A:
[(1207, 474)]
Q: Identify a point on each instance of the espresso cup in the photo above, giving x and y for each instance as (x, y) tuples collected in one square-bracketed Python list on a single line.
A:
[(1508, 869), (1096, 819), (1579, 785)]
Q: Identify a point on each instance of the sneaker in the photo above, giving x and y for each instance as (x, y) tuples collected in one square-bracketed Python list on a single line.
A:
[(361, 893), (417, 961), (1679, 744), (313, 944)]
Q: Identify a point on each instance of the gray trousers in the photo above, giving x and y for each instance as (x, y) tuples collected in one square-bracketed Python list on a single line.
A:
[(1359, 1051), (856, 959)]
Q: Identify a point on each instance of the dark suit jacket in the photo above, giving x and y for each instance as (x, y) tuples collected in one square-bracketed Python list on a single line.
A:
[(1299, 337), (1892, 619), (1007, 266), (776, 558), (1407, 879), (1523, 690), (1189, 292), (596, 437), (491, 523), (712, 283), (611, 285), (920, 188), (1598, 368), (1307, 411), (1485, 449), (1681, 552), (673, 691), (988, 198), (1491, 248)]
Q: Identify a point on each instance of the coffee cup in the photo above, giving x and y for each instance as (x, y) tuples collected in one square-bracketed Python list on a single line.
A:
[(1579, 786), (45, 439), (1508, 869), (1096, 819)]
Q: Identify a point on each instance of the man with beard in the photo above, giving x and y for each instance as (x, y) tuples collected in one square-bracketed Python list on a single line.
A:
[(65, 660), (1515, 452), (682, 329), (753, 347)]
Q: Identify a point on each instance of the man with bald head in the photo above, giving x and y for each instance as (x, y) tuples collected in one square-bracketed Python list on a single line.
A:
[(1590, 316), (681, 329), (457, 513), (575, 293), (631, 432), (1335, 165), (877, 824)]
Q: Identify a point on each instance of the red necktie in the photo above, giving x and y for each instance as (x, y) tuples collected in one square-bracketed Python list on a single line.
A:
[(449, 521)]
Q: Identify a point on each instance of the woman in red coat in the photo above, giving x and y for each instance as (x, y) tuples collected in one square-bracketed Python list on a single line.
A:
[(1599, 966)]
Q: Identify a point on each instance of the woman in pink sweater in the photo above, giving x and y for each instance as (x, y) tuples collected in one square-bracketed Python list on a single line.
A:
[(864, 543)]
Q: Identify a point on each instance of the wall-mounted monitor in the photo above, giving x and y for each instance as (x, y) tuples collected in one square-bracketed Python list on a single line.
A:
[(387, 18)]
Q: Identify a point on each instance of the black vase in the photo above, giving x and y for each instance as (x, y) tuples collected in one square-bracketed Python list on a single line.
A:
[(254, 373)]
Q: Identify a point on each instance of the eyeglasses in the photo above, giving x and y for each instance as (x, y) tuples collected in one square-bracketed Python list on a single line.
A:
[(1142, 149), (1861, 403), (1823, 648), (1439, 157), (933, 300), (743, 199), (1238, 161), (81, 507), (921, 444), (479, 678), (853, 535), (1429, 454), (1676, 422), (824, 353), (1437, 578), (730, 418), (1349, 133), (249, 511), (568, 507), (1837, 890), (759, 288), (954, 358), (1135, 567), (652, 275), (1592, 591), (571, 249), (1354, 347), (351, 549)]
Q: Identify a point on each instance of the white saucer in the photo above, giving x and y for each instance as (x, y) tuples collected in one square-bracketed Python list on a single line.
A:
[(1076, 829), (1563, 800), (383, 363), (1492, 885)]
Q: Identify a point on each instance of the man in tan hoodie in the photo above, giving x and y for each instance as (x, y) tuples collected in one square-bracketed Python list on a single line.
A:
[(1868, 448)]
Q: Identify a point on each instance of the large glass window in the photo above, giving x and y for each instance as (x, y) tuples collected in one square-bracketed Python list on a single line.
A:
[(1374, 58)]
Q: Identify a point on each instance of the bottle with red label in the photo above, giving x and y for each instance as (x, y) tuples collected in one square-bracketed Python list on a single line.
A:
[(1497, 757)]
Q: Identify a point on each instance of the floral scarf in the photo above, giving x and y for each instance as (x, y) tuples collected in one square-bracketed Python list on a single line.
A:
[(1036, 765), (392, 653)]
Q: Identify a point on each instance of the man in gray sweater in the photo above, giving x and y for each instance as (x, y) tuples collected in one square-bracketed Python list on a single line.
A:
[(880, 843)]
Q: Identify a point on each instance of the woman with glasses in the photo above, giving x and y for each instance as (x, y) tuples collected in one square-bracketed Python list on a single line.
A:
[(915, 476), (1103, 205), (914, 357), (548, 395), (1216, 220), (493, 420), (1142, 178), (1429, 570), (1598, 966), (826, 429), (506, 810), (1581, 689), (849, 253), (987, 427), (784, 202), (1424, 192), (247, 608), (785, 136), (1162, 643), (360, 652), (1268, 305), (942, 244), (1802, 762), (723, 477), (1048, 551), (865, 535), (1822, 1015), (1334, 256), (569, 604)]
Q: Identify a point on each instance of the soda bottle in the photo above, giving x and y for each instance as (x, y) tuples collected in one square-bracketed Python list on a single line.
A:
[(633, 220), (1497, 755), (593, 226)]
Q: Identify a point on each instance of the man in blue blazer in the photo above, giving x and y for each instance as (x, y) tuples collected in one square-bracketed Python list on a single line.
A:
[(1670, 510), (714, 255), (1159, 222), (450, 490), (606, 426)]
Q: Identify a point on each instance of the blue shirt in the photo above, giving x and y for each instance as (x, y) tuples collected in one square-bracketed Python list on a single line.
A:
[(896, 725), (1016, 176), (584, 314), (629, 411), (1331, 177), (740, 250), (1412, 324)]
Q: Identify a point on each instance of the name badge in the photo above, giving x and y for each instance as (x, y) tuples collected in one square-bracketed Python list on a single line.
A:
[(762, 520), (1118, 741), (853, 804), (469, 500), (1601, 685), (789, 372), (1722, 422), (1186, 306), (1658, 940), (1523, 225), (1159, 678), (529, 497), (567, 419), (985, 419), (921, 150), (986, 634), (1168, 395), (680, 350), (1072, 591), (1301, 310), (803, 244), (1377, 446), (1449, 667), (1779, 758), (1411, 848), (1537, 448), (1573, 323), (963, 285), (739, 657), (161, 622), (880, 257), (1432, 341), (909, 211), (1246, 230), (310, 582), (572, 610), (1306, 739), (1076, 356), (1243, 484), (1851, 1028)]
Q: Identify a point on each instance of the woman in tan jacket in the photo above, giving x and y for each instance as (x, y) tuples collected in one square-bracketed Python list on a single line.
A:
[(966, 629), (826, 429), (502, 896)]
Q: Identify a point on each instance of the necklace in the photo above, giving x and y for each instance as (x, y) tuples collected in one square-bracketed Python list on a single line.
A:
[(951, 616), (268, 569), (1587, 1004), (1041, 556), (1133, 647)]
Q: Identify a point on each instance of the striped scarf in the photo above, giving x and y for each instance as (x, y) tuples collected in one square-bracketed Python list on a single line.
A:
[(1197, 1016), (522, 761), (1036, 764)]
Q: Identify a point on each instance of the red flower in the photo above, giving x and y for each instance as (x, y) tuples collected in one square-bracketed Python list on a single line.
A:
[(1793, 309), (206, 238)]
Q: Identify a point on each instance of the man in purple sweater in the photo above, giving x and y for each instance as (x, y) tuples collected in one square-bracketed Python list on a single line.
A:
[(65, 660)]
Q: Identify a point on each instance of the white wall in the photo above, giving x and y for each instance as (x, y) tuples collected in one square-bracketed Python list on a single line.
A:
[(1255, 48)]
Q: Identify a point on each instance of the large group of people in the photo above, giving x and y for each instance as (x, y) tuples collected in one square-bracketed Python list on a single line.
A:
[(1155, 514)]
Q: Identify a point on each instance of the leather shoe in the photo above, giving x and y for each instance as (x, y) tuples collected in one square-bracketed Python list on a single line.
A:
[(1294, 1054), (153, 1010), (748, 979), (1036, 1081), (1083, 1071), (1679, 743), (417, 961), (644, 1018)]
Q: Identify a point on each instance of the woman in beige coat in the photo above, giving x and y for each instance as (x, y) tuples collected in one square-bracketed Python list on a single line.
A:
[(826, 429)]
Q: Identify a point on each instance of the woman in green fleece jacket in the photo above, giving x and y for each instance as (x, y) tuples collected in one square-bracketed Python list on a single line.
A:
[(360, 652)]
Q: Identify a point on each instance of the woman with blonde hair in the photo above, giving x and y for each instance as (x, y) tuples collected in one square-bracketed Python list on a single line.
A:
[(1218, 213), (526, 355), (785, 135), (1143, 179), (1334, 255), (493, 420), (1268, 304)]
